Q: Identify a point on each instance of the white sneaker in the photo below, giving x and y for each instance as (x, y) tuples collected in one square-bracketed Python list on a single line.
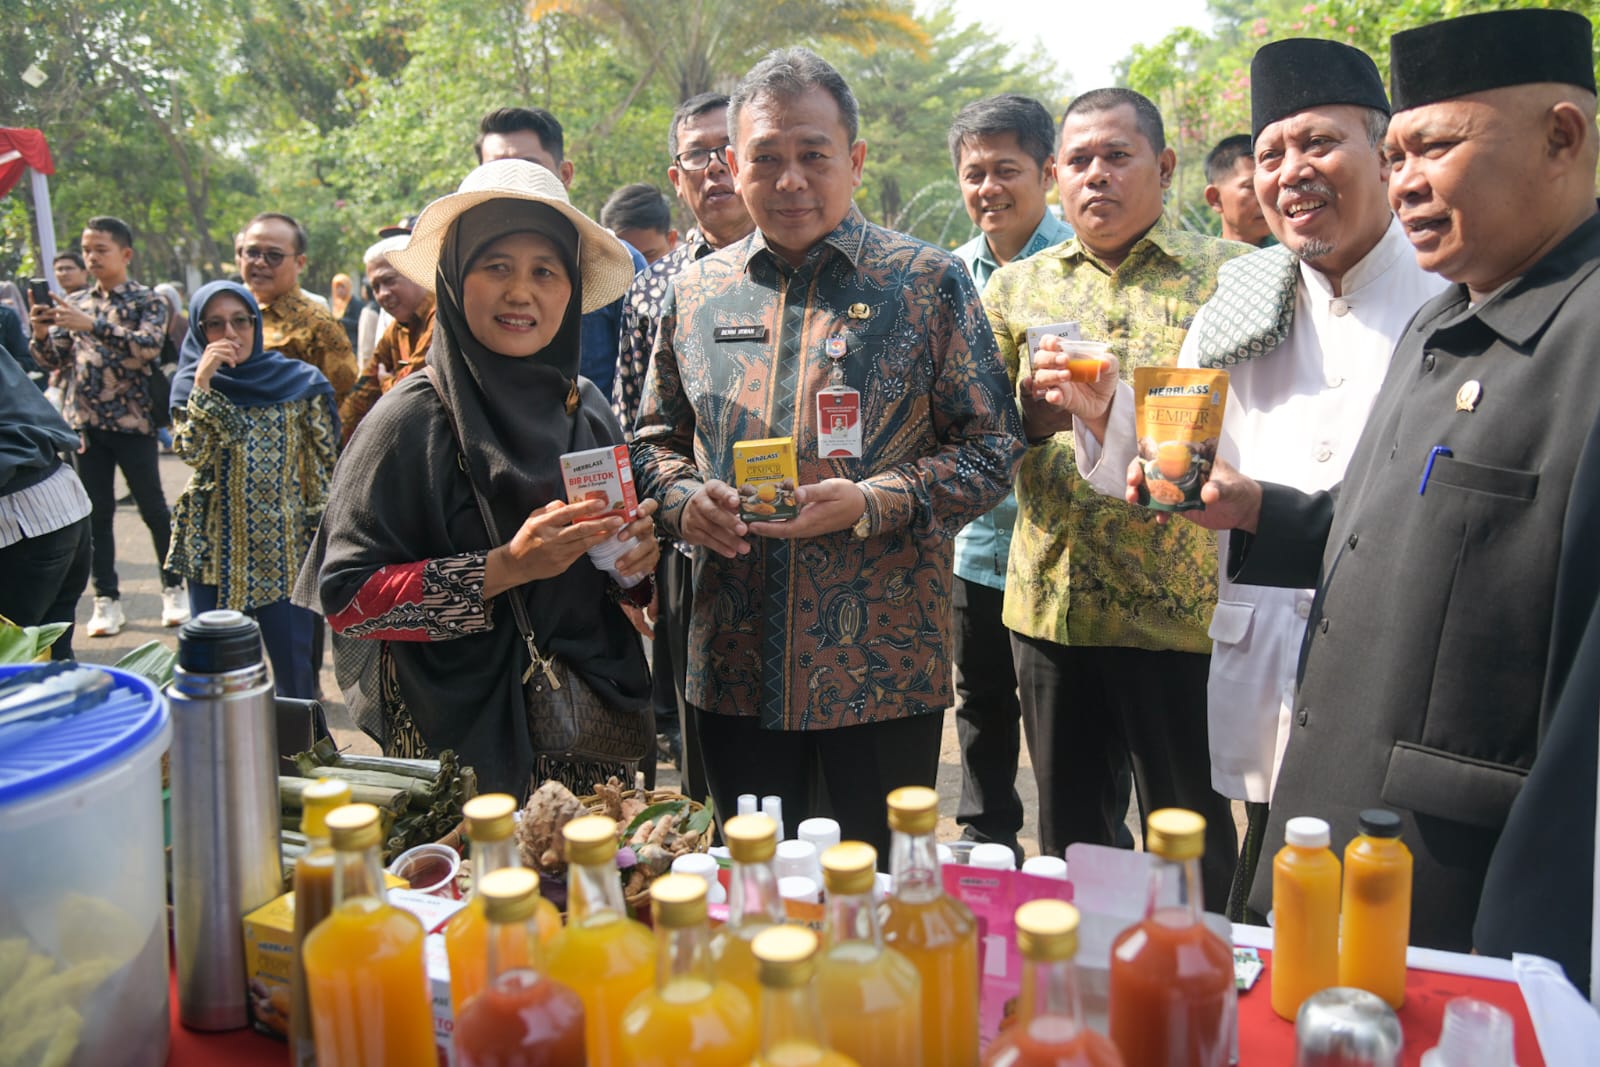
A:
[(174, 606), (107, 620)]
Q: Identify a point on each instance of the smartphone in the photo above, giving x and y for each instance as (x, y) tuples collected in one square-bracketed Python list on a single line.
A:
[(39, 293)]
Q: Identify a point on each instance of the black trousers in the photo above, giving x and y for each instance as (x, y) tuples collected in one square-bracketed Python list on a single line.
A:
[(139, 458), (1083, 708), (44, 577), (860, 765), (988, 717)]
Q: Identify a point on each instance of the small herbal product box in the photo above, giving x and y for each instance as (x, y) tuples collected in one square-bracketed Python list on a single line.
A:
[(603, 474), (765, 476)]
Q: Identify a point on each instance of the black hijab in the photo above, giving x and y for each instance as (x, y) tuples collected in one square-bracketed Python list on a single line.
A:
[(400, 495)]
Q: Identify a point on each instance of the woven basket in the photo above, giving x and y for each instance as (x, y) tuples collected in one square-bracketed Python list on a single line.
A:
[(640, 901)]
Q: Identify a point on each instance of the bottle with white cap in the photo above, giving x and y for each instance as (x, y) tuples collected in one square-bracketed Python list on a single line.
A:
[(822, 832), (993, 857), (748, 804), (754, 900), (772, 807), (800, 889), (1305, 924), (799, 858), (1046, 867), (703, 867)]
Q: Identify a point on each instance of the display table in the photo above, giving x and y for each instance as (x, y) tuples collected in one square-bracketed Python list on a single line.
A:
[(1264, 1039)]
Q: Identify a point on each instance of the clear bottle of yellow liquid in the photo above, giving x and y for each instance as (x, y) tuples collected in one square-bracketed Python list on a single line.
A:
[(690, 1018), (753, 899), (602, 954), (791, 1032), (313, 900), (368, 986), (871, 995), (933, 930), (1049, 1030), (1305, 916), (1376, 917), (520, 1017), (491, 826)]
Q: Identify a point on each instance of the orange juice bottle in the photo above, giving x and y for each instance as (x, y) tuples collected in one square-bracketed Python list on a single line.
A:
[(1049, 1030), (871, 995), (1305, 916), (690, 1018), (1172, 996), (490, 827), (313, 900), (1377, 909), (933, 930), (519, 1017), (753, 900), (604, 955), (365, 977), (791, 1032)]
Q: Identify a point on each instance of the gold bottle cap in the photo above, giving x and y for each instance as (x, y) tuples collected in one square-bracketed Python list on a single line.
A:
[(1047, 930), (590, 839), (849, 867), (751, 838), (490, 817), (678, 901), (319, 798), (1175, 834), (510, 895), (914, 809), (355, 827), (786, 956)]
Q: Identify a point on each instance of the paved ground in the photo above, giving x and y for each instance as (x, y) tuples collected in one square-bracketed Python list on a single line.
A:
[(141, 600)]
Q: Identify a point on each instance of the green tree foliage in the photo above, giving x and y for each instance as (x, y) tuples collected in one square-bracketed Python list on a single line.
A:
[(1202, 81)]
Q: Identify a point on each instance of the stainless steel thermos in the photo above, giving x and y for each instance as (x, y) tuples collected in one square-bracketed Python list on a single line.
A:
[(225, 848)]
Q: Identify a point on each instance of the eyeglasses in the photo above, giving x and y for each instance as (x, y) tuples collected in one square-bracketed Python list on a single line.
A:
[(240, 323), (272, 257), (700, 158)]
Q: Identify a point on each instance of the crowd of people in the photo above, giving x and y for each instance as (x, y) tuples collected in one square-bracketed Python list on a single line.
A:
[(1386, 601)]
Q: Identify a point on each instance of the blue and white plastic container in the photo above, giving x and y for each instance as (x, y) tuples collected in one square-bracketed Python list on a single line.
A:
[(83, 930)]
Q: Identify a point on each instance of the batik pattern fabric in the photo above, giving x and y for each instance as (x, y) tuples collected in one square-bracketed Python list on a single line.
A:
[(401, 351), (428, 600), (832, 630), (107, 369), (641, 318), (1087, 569), (308, 332), (1252, 310), (260, 482)]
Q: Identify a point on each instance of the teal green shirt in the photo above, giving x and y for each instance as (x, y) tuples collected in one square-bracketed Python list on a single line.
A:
[(984, 545)]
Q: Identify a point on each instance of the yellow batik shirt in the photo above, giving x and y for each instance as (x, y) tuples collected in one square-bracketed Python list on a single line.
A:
[(1087, 569), (308, 332)]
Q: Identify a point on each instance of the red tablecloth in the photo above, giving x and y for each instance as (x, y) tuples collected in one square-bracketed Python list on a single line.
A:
[(1264, 1039)]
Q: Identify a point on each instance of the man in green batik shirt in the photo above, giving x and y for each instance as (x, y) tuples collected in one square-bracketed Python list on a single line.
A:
[(1109, 611)]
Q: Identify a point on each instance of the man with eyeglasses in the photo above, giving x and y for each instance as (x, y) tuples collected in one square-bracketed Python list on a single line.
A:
[(697, 143), (271, 254)]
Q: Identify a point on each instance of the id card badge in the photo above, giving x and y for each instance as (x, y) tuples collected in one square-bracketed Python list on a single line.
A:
[(838, 423)]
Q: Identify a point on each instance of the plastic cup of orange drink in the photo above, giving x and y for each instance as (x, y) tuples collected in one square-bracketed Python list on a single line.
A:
[(1086, 360)]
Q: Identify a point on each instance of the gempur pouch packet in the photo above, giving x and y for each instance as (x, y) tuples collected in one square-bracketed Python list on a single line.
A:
[(1178, 413)]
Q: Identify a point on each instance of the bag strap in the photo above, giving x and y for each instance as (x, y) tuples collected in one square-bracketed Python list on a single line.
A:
[(536, 659)]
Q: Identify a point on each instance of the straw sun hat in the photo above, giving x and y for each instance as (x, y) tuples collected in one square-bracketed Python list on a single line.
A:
[(606, 267)]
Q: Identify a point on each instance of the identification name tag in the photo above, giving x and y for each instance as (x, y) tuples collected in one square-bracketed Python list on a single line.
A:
[(838, 423), (755, 332)]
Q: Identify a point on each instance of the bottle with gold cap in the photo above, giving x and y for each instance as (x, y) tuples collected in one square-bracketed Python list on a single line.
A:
[(791, 1030), (690, 1018), (933, 930), (871, 995), (754, 902), (313, 900), (491, 826), (521, 1015), (1172, 993), (604, 955), (1049, 1030), (365, 975)]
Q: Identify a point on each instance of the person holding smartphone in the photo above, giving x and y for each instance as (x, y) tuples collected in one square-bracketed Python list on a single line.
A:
[(107, 339)]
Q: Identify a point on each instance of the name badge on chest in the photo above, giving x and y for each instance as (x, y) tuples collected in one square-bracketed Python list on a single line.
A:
[(756, 332)]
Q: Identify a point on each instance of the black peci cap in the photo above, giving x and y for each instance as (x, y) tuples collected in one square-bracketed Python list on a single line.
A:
[(1491, 50), (215, 642), (1376, 822), (1300, 72)]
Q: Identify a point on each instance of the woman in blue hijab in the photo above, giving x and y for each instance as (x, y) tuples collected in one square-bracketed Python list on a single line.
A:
[(261, 431)]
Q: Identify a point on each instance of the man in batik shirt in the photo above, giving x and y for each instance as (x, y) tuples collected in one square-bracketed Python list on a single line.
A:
[(1108, 611), (822, 642), (271, 254)]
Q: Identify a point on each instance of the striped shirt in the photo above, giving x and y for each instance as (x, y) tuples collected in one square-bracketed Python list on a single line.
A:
[(45, 507)]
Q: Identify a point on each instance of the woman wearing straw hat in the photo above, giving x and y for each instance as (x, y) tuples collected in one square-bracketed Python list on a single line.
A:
[(446, 542)]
